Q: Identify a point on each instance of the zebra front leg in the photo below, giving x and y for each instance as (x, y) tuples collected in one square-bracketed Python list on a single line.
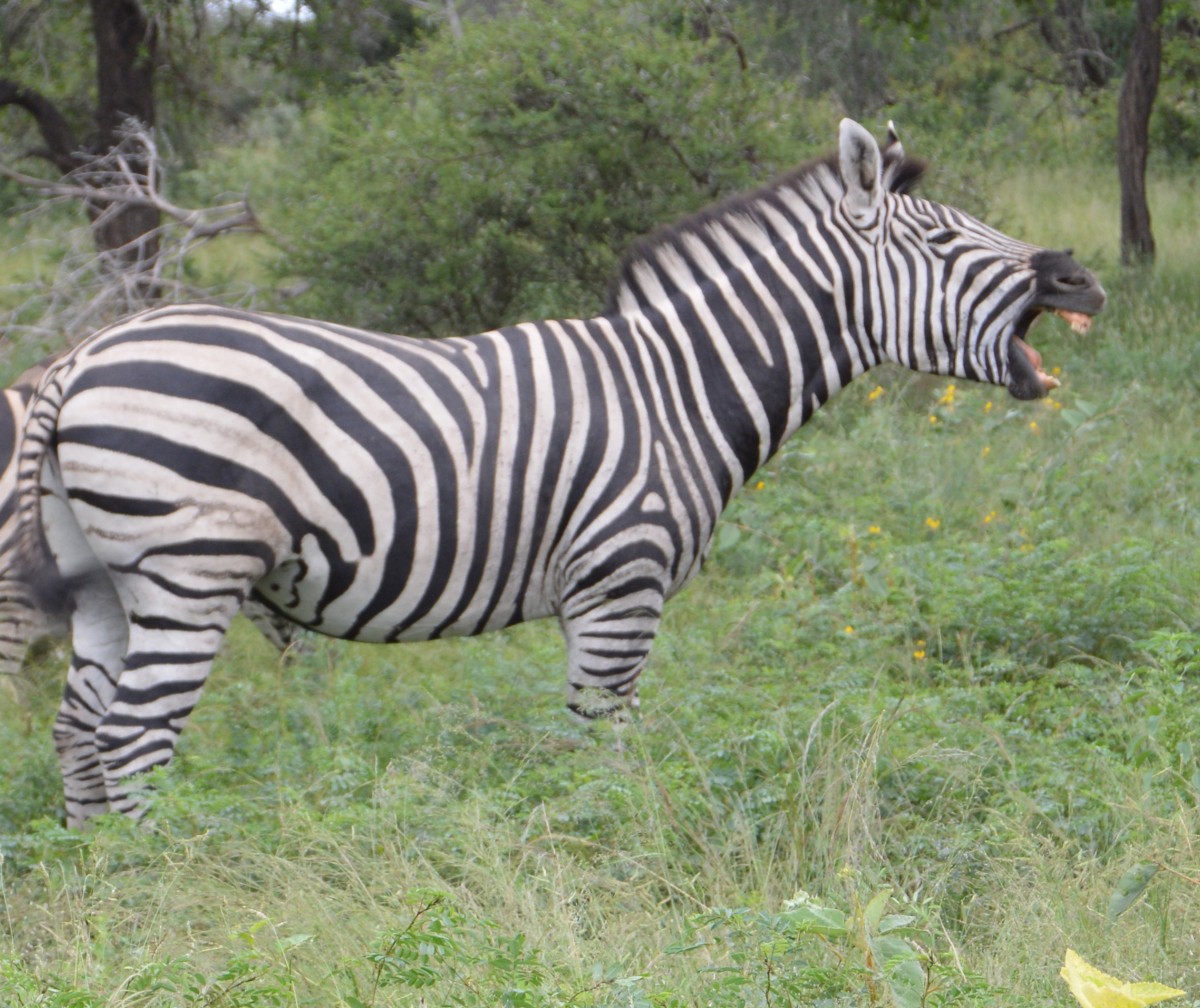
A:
[(99, 635), (608, 642)]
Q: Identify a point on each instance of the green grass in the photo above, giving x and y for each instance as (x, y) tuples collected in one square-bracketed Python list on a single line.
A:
[(947, 649)]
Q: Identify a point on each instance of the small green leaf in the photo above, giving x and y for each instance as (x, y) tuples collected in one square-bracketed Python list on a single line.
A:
[(293, 941), (895, 922), (803, 914), (873, 913), (1132, 884)]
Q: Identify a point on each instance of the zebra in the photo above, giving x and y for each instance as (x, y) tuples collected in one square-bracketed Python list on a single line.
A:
[(377, 488), (22, 622)]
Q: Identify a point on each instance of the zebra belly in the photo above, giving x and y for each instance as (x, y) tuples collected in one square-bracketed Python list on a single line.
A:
[(382, 605)]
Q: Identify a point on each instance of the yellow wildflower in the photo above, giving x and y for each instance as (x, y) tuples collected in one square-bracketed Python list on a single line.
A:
[(934, 523), (987, 406), (919, 653), (760, 485), (848, 629), (874, 529), (1033, 426), (947, 397), (932, 418), (989, 517), (875, 393), (987, 450)]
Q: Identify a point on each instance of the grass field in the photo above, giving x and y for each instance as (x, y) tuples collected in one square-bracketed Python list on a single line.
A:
[(934, 698)]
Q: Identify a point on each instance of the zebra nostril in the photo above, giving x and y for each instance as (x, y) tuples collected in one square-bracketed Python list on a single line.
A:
[(1072, 281)]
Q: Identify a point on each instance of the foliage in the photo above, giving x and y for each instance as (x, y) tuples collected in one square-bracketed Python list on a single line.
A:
[(1094, 989), (940, 674), (494, 179)]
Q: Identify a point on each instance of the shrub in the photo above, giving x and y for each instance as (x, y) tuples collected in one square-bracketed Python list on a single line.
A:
[(496, 178)]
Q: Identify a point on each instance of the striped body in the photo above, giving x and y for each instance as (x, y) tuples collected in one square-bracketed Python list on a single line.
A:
[(384, 489), (21, 621)]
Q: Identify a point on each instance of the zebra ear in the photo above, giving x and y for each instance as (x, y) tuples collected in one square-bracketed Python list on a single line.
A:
[(861, 166), (893, 149)]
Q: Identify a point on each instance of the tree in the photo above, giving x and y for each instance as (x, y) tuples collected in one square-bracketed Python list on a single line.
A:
[(126, 44), (494, 178), (79, 125), (1135, 104)]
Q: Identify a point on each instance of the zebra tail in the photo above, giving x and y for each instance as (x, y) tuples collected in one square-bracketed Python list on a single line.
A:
[(33, 562)]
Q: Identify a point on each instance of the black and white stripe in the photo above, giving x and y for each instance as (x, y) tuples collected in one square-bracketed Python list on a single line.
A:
[(387, 489), (22, 621)]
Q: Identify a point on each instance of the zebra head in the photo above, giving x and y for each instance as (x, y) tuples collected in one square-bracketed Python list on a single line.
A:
[(956, 296)]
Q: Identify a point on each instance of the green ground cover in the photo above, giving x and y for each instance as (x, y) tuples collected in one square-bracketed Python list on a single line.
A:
[(934, 697)]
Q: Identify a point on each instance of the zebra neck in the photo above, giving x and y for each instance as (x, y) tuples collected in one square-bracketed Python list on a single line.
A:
[(746, 373)]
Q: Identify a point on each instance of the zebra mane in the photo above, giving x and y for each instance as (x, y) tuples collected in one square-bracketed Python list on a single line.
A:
[(901, 174)]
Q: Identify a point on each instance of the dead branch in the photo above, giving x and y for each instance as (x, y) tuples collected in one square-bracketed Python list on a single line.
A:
[(90, 287)]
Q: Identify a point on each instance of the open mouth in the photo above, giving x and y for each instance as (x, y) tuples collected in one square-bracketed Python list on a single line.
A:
[(1025, 363), (1064, 288)]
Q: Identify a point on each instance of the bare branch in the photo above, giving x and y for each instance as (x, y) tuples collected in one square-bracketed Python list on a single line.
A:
[(95, 287), (56, 132)]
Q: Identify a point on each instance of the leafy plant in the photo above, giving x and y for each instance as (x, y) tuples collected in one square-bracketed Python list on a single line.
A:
[(495, 178)]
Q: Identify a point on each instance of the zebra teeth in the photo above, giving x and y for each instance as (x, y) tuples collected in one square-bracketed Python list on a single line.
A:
[(1078, 321)]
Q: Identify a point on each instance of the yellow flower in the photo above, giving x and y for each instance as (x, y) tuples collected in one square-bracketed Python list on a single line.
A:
[(989, 518), (1093, 989), (760, 485), (874, 529), (934, 523), (848, 629), (947, 397), (932, 418), (875, 393), (1056, 371), (1033, 426), (1052, 403), (987, 450), (919, 654), (987, 406)]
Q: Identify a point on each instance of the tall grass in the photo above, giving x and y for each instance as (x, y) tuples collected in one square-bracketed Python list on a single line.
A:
[(946, 646)]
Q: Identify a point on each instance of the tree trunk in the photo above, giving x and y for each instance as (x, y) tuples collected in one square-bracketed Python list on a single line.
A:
[(125, 59), (1133, 132)]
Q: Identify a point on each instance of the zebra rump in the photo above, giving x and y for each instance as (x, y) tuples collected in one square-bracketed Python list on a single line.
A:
[(379, 488), (36, 606)]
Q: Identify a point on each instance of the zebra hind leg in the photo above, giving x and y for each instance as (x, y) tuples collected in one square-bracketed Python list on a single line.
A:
[(99, 634), (174, 635)]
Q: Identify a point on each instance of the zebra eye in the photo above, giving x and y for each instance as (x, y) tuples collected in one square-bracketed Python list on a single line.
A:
[(943, 237)]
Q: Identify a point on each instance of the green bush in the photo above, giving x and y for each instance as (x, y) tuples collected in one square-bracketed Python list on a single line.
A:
[(496, 178)]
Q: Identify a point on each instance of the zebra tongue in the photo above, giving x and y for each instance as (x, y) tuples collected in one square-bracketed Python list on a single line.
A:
[(1048, 380)]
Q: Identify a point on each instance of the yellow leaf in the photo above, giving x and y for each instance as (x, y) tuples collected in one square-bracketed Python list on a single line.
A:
[(1093, 989)]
